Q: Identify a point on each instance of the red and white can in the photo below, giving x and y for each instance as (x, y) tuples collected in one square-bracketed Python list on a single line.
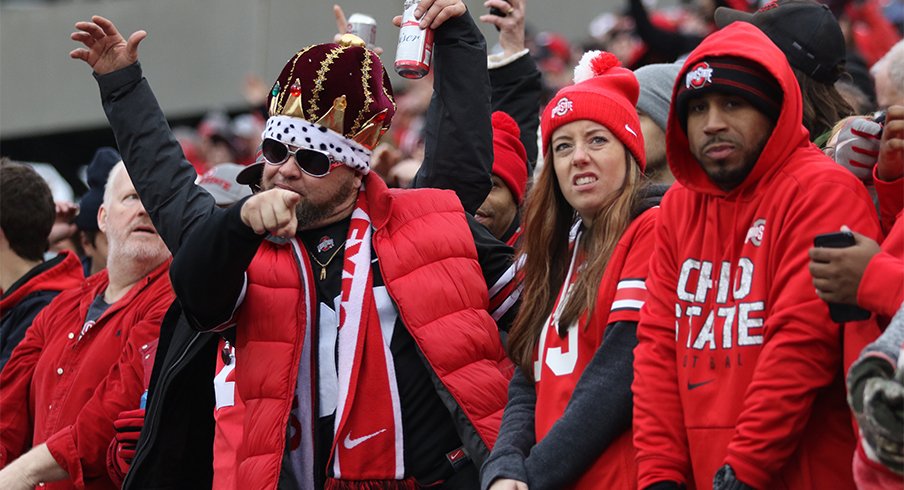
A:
[(363, 26), (415, 50)]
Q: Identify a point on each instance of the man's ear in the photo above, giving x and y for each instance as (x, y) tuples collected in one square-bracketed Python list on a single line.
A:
[(102, 218)]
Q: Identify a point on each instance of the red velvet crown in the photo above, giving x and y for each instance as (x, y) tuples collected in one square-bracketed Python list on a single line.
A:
[(342, 86)]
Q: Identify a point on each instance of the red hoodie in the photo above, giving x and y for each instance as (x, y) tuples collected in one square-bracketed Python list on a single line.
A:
[(738, 362)]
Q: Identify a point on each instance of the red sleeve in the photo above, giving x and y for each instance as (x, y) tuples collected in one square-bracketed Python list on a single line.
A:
[(81, 448), (882, 285), (17, 421), (802, 348), (891, 200), (631, 292), (659, 432)]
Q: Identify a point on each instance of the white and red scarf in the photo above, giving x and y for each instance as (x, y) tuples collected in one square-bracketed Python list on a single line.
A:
[(368, 450)]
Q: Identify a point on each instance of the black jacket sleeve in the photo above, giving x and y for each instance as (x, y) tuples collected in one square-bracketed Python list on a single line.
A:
[(458, 153), (516, 91), (208, 274), (211, 246), (165, 181), (602, 396)]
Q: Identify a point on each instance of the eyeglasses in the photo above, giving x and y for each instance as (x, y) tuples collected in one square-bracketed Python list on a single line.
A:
[(311, 162)]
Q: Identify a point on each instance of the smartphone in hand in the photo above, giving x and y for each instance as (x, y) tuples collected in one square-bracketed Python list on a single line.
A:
[(495, 11), (841, 313)]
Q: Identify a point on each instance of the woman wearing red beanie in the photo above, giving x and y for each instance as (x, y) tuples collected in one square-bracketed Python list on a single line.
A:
[(587, 240)]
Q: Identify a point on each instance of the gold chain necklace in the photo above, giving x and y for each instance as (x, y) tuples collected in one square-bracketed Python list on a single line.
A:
[(324, 264)]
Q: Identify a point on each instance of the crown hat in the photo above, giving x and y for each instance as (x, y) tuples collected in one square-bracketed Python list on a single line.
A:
[(340, 86)]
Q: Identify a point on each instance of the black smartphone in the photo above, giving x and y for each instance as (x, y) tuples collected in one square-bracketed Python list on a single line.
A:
[(841, 313), (499, 13), (495, 11)]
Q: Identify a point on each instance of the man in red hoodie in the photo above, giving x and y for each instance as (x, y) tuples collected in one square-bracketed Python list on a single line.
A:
[(738, 370)]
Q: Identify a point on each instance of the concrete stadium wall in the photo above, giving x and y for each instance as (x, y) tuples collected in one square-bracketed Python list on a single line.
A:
[(197, 51)]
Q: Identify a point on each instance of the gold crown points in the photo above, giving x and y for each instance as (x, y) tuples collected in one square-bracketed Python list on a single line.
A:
[(373, 130), (348, 40), (275, 104), (334, 118), (293, 106)]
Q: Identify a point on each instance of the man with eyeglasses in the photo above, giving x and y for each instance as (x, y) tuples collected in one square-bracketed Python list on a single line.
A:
[(368, 355)]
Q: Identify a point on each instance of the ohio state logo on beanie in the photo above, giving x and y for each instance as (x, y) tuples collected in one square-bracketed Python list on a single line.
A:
[(700, 75), (564, 106)]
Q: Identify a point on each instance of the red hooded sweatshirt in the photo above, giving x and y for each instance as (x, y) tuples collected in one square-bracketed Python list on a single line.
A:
[(738, 362)]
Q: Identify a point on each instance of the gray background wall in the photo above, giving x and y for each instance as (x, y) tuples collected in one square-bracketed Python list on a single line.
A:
[(197, 51)]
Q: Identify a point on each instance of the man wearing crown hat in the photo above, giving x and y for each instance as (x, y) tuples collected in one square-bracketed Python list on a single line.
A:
[(738, 373), (368, 357)]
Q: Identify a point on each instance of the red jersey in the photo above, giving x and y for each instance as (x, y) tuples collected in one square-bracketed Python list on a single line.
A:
[(561, 360)]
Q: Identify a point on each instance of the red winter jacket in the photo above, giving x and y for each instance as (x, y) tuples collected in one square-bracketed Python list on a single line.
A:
[(22, 303), (51, 376), (437, 285), (882, 285), (738, 361)]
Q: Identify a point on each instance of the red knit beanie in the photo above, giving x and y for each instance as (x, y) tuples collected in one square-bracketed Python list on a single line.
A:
[(603, 92), (509, 155)]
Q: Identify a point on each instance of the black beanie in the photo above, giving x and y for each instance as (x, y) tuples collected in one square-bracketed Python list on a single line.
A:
[(730, 75)]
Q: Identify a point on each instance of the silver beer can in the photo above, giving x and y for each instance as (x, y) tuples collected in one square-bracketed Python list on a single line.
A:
[(363, 26)]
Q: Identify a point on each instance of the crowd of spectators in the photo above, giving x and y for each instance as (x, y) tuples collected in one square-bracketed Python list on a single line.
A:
[(666, 254)]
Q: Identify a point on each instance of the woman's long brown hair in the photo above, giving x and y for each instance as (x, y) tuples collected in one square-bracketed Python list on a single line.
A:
[(545, 251)]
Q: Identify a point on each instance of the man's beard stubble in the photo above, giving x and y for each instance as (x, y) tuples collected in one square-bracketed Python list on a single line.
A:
[(309, 213), (729, 179)]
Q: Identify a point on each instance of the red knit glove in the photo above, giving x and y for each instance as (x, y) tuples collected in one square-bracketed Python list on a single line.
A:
[(128, 428), (122, 447)]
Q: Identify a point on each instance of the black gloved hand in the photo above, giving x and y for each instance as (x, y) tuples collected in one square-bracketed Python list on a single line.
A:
[(726, 479)]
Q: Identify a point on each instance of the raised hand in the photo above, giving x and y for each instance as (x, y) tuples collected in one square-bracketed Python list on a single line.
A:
[(432, 13), (105, 50), (63, 227), (891, 149), (511, 27), (342, 28), (857, 146)]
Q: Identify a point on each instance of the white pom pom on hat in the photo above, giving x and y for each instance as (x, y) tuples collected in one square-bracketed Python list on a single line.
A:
[(593, 64)]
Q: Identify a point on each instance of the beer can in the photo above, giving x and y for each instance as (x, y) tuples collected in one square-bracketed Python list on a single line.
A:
[(363, 26), (413, 55)]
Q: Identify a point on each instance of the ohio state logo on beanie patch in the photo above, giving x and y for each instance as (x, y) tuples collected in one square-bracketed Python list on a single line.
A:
[(563, 106), (700, 75)]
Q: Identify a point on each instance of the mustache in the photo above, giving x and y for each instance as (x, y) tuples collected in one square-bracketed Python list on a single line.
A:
[(718, 139)]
